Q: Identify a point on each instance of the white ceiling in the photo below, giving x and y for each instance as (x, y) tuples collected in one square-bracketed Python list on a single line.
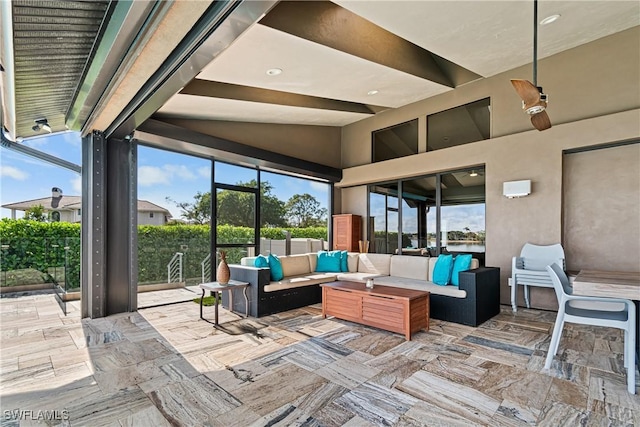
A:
[(483, 36)]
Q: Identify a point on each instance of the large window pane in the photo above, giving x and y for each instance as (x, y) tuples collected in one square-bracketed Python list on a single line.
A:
[(460, 199), (235, 175), (418, 212), (295, 208), (174, 214), (463, 212), (397, 141), (459, 125), (41, 213), (384, 217)]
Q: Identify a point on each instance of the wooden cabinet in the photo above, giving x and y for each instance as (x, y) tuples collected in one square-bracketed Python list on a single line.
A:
[(346, 232)]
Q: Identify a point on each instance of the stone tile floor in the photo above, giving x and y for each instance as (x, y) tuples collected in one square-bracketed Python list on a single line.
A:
[(163, 366)]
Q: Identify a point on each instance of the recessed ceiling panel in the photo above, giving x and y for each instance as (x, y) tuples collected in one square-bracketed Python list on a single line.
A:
[(312, 69), (207, 108), (490, 37)]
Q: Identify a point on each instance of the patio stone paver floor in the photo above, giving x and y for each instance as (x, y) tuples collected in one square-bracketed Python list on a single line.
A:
[(163, 366)]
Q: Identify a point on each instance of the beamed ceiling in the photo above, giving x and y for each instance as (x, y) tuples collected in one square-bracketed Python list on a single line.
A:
[(333, 56)]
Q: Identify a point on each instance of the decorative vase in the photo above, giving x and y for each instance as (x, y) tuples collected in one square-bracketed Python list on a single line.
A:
[(223, 274)]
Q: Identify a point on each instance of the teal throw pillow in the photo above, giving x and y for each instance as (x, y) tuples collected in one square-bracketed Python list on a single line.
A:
[(261, 261), (442, 270), (329, 262), (344, 266), (276, 268), (461, 262)]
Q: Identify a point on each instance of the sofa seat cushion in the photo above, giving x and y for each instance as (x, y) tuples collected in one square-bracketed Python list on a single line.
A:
[(300, 281), (357, 277), (420, 285)]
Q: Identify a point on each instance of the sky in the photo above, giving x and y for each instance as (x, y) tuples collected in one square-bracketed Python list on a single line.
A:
[(161, 174)]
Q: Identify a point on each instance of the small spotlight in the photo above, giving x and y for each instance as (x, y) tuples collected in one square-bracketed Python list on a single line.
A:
[(42, 123)]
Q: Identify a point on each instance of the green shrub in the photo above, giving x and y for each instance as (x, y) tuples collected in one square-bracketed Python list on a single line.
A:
[(40, 246)]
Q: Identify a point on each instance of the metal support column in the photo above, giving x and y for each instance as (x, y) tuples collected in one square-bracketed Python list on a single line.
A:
[(109, 268), (122, 222), (93, 230)]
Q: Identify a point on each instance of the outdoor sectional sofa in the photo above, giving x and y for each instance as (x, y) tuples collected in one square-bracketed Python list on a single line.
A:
[(474, 301)]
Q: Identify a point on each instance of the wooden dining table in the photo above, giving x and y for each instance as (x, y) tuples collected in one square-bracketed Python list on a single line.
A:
[(611, 284)]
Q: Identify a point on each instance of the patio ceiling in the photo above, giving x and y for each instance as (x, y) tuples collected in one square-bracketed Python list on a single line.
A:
[(333, 57)]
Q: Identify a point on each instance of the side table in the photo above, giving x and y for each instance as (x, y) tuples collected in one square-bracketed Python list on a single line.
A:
[(218, 289)]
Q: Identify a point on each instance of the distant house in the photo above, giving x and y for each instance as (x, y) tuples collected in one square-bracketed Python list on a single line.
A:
[(69, 209)]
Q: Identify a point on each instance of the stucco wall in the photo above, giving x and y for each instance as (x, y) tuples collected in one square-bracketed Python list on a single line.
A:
[(601, 208), (594, 99)]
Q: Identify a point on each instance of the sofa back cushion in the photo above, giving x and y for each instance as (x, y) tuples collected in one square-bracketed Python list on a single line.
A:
[(374, 263), (313, 260), (352, 262), (409, 267), (294, 265)]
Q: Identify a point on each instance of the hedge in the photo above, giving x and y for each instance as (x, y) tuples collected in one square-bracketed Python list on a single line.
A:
[(41, 246)]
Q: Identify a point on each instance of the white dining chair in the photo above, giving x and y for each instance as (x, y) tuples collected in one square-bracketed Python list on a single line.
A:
[(529, 269), (596, 311)]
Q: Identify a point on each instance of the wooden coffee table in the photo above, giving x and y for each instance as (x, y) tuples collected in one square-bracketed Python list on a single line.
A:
[(404, 311)]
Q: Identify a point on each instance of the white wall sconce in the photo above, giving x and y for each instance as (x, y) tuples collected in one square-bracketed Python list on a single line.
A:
[(513, 189)]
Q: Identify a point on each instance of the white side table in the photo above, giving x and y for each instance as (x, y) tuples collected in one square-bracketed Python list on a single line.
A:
[(218, 289)]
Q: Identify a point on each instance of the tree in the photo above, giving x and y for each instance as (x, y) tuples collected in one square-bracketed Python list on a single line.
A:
[(303, 210), (198, 212), (235, 207), (238, 208), (36, 213)]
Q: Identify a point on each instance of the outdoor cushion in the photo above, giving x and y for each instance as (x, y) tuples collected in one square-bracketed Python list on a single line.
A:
[(461, 262), (411, 267), (357, 276), (329, 262), (261, 261), (352, 262), (374, 263), (294, 265), (420, 285), (300, 281), (275, 267), (442, 270), (344, 266)]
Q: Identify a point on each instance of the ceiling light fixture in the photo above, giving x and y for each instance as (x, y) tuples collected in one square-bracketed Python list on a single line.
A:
[(473, 173), (372, 92), (41, 124), (274, 71), (549, 19)]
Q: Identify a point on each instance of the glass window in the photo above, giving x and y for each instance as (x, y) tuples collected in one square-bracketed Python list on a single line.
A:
[(459, 125), (396, 141), (460, 199), (44, 251), (177, 253), (293, 207), (235, 175), (384, 215)]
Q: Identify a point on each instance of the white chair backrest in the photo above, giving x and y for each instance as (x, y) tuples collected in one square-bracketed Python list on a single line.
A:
[(560, 281), (537, 257)]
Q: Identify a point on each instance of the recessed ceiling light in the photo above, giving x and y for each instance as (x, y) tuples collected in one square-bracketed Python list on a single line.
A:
[(549, 19), (274, 71), (372, 92)]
